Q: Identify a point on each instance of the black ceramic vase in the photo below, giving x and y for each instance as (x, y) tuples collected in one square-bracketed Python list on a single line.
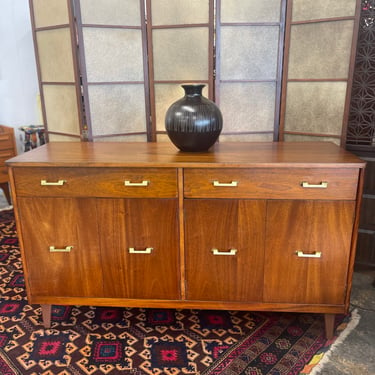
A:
[(194, 122)]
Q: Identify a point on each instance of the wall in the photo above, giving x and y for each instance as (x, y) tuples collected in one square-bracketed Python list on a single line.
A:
[(19, 88)]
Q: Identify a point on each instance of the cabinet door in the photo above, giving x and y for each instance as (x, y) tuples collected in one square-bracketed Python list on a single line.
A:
[(140, 248), (224, 249), (307, 251), (61, 246)]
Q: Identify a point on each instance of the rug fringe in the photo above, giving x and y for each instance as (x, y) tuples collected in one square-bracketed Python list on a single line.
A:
[(353, 322), (6, 208)]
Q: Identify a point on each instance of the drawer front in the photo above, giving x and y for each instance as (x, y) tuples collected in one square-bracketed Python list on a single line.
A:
[(96, 182), (272, 183), (6, 141)]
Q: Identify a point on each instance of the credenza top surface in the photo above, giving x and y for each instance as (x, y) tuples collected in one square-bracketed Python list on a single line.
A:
[(165, 154)]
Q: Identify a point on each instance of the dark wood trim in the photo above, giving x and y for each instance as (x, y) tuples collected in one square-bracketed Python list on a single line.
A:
[(318, 80), (63, 133), (53, 27), (115, 83), (87, 123), (181, 26), (279, 74), (150, 124), (353, 54), (100, 26), (217, 80), (150, 70), (77, 69), (118, 134), (39, 73), (251, 23), (284, 84), (248, 80), (313, 134), (322, 20), (211, 46)]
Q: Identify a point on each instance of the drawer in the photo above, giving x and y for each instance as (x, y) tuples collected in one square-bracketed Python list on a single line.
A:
[(6, 141), (272, 183), (96, 182)]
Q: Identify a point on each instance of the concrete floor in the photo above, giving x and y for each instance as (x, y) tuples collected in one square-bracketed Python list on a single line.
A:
[(355, 355)]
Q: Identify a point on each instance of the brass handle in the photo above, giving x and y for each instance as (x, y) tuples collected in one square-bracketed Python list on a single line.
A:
[(230, 184), (322, 185), (57, 183), (143, 183), (147, 250), (66, 249), (315, 254), (218, 252)]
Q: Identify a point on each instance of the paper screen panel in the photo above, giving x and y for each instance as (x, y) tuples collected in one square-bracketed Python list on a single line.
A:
[(117, 109), (50, 12), (165, 96), (315, 107), (320, 50), (250, 11), (55, 55), (319, 9), (61, 108), (247, 107), (246, 138), (62, 138), (111, 12), (179, 12), (113, 54), (310, 138), (123, 138), (180, 54), (243, 52)]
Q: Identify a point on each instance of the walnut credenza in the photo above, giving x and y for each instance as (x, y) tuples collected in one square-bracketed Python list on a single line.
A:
[(246, 226)]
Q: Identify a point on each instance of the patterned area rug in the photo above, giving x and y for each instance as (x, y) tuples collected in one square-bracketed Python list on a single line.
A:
[(97, 340)]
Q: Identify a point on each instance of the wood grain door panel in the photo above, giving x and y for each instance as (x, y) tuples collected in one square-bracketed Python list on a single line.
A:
[(140, 224), (61, 222), (310, 227), (228, 225)]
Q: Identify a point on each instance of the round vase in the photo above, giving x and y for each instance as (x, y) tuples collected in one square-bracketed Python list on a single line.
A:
[(194, 122)]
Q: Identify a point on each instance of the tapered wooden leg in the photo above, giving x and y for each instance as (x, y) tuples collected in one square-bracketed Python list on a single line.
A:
[(46, 315), (329, 320)]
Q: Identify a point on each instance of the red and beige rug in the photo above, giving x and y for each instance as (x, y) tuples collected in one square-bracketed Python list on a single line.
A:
[(85, 340)]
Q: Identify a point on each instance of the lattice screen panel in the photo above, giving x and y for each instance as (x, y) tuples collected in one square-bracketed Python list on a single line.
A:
[(248, 77), (361, 124), (111, 35), (318, 62), (55, 49)]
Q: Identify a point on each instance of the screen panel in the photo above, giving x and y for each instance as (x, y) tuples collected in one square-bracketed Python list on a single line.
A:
[(320, 50), (248, 73), (117, 109), (321, 37), (112, 39), (113, 54), (111, 12), (61, 108), (55, 55), (179, 12), (50, 12), (250, 11), (318, 9)]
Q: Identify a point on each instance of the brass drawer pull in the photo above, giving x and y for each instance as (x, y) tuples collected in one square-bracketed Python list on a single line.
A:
[(316, 254), (218, 252), (322, 185), (66, 249), (143, 183), (147, 250), (228, 184), (57, 183)]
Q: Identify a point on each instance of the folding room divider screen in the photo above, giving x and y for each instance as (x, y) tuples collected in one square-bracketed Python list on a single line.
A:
[(278, 69)]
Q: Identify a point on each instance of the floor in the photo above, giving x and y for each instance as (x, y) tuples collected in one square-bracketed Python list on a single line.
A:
[(355, 355)]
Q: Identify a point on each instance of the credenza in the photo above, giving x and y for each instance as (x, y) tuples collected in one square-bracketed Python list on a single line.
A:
[(245, 226)]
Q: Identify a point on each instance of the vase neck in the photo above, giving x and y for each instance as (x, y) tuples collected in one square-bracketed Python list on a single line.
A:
[(193, 90)]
